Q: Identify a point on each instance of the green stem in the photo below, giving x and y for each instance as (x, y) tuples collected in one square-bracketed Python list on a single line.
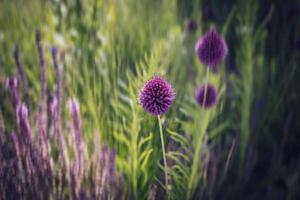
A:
[(196, 157), (164, 154), (205, 89)]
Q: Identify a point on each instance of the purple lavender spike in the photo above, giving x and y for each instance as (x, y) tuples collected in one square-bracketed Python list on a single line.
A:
[(50, 132), (35, 167), (16, 143), (42, 110), (78, 144), (74, 181), (105, 174), (58, 72), (44, 142), (23, 121), (25, 139), (17, 149), (74, 110), (56, 111), (2, 128), (112, 164), (46, 162), (43, 75), (54, 108), (76, 127), (44, 156), (12, 85), (20, 67)]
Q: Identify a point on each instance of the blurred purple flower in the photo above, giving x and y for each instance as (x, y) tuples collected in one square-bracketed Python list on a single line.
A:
[(79, 147), (58, 72), (55, 108), (211, 49), (23, 121), (42, 115), (208, 13), (156, 96), (112, 166), (192, 25), (63, 153), (12, 85), (206, 100), (105, 173)]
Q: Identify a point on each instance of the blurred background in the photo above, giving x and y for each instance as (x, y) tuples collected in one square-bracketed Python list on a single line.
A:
[(109, 48)]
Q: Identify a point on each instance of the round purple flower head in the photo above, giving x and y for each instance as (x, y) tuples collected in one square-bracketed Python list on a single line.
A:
[(211, 96), (156, 96), (211, 49)]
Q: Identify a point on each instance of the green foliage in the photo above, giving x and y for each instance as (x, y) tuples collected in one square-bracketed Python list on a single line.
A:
[(109, 49), (251, 64)]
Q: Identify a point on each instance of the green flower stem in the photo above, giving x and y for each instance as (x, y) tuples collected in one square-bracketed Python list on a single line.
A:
[(196, 157), (164, 154)]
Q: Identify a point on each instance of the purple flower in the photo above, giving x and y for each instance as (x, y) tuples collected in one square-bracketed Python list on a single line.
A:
[(208, 100), (59, 79), (23, 121), (192, 26), (211, 49), (208, 13), (79, 147), (12, 85), (156, 96), (112, 166), (57, 125)]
